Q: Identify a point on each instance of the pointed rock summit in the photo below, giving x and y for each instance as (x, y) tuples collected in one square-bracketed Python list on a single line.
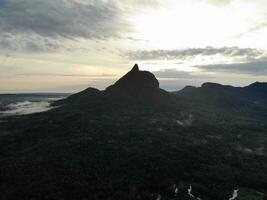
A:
[(136, 85), (136, 81), (135, 68)]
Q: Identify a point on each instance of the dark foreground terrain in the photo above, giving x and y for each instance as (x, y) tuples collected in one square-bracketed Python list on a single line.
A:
[(135, 141)]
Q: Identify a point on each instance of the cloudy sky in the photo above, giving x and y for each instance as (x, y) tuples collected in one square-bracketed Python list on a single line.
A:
[(68, 45)]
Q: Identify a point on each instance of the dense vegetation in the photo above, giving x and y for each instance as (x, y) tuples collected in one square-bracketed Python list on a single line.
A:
[(116, 145)]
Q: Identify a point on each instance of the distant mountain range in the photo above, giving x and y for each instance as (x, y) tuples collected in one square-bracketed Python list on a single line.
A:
[(254, 93)]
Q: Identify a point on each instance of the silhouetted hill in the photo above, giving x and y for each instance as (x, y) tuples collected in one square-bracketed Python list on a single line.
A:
[(257, 86), (225, 95), (257, 91), (87, 93)]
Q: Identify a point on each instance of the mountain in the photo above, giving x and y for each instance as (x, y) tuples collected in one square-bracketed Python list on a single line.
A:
[(135, 87), (136, 82), (136, 141), (139, 86)]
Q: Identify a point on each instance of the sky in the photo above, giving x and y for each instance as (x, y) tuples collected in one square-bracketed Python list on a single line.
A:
[(69, 45)]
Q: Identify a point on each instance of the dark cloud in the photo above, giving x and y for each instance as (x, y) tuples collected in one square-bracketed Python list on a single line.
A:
[(64, 18), (30, 43), (36, 24), (246, 53), (253, 68)]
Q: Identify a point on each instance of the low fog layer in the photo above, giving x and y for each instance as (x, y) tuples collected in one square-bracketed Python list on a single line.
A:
[(27, 107)]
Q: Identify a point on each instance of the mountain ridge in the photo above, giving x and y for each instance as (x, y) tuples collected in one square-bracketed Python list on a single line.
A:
[(256, 91), (142, 87)]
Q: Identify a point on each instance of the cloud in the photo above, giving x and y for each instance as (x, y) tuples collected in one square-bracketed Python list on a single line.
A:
[(143, 3), (32, 25), (67, 75), (253, 29), (219, 2), (252, 68), (183, 54), (258, 27), (175, 74), (30, 43)]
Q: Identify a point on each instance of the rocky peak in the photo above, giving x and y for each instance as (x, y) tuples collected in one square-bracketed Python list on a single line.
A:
[(136, 81), (135, 68)]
